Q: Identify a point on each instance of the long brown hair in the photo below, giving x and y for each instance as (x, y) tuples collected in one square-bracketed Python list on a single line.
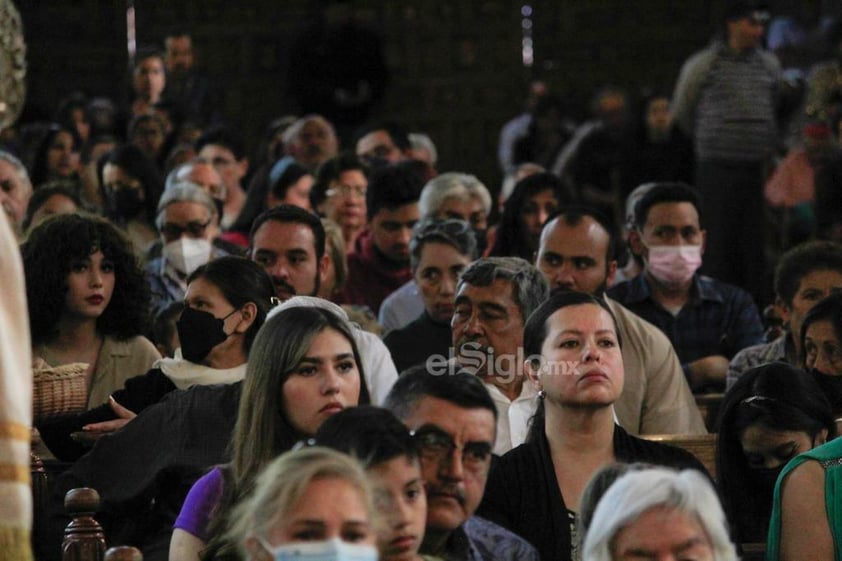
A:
[(263, 430)]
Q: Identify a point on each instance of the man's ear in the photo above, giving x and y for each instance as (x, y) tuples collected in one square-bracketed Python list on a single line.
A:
[(249, 314), (324, 263), (611, 273), (532, 369), (243, 166), (704, 241), (784, 311)]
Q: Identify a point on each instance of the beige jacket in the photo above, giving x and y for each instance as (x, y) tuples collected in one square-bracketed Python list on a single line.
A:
[(656, 398)]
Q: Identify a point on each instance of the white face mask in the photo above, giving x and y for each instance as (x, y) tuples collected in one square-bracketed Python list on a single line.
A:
[(187, 254), (329, 550)]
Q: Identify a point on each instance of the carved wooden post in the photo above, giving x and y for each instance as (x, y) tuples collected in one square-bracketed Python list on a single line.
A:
[(40, 497), (84, 539), (123, 553)]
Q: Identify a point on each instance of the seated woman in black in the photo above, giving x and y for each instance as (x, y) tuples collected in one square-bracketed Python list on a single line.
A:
[(773, 413), (573, 356)]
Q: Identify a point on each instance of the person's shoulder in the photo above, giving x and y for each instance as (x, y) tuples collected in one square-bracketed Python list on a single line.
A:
[(703, 57), (497, 543), (632, 326), (620, 290), (658, 453), (725, 290), (213, 399)]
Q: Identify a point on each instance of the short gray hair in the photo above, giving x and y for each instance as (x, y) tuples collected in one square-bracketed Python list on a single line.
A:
[(529, 287), (452, 185), (291, 133), (179, 173), (639, 491), (183, 192), (455, 233), (18, 165)]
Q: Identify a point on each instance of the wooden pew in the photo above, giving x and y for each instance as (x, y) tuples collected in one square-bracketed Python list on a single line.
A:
[(703, 446), (84, 539), (708, 404)]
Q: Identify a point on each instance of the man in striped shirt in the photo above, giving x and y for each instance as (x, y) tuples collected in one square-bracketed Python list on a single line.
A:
[(725, 99)]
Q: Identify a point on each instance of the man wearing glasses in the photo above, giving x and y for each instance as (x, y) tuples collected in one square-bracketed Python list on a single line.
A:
[(453, 420), (187, 222)]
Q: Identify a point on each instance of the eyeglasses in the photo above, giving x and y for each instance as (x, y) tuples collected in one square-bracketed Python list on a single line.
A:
[(435, 445), (174, 231), (449, 227), (346, 191)]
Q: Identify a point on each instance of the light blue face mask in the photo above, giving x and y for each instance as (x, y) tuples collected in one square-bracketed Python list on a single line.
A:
[(329, 550)]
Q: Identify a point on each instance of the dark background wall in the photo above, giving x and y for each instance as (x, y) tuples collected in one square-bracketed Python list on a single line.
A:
[(456, 68)]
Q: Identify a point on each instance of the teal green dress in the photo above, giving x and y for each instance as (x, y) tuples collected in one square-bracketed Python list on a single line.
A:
[(830, 457)]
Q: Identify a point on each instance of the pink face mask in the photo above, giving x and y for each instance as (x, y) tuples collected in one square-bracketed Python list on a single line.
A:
[(674, 264)]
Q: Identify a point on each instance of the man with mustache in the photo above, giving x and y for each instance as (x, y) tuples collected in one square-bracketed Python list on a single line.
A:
[(452, 419), (379, 263), (289, 243), (493, 299), (311, 140)]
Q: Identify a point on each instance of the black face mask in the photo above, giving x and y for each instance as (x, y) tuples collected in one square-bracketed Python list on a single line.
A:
[(125, 203), (831, 387), (199, 332), (766, 477)]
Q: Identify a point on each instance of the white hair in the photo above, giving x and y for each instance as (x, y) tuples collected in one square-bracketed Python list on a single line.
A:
[(422, 141), (18, 165), (639, 491), (184, 191), (462, 186)]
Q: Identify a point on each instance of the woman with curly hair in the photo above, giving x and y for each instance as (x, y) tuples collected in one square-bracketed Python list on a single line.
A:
[(87, 301)]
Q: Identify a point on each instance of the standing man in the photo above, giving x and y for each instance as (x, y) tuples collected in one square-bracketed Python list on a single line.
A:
[(577, 252), (725, 100), (706, 320), (188, 88), (452, 419)]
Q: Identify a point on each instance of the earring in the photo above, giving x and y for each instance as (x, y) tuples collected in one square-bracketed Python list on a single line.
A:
[(541, 394)]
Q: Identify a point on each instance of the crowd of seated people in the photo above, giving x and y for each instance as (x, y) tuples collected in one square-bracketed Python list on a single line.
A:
[(244, 305)]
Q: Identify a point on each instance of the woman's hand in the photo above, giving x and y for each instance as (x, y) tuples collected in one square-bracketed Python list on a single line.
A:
[(124, 416)]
